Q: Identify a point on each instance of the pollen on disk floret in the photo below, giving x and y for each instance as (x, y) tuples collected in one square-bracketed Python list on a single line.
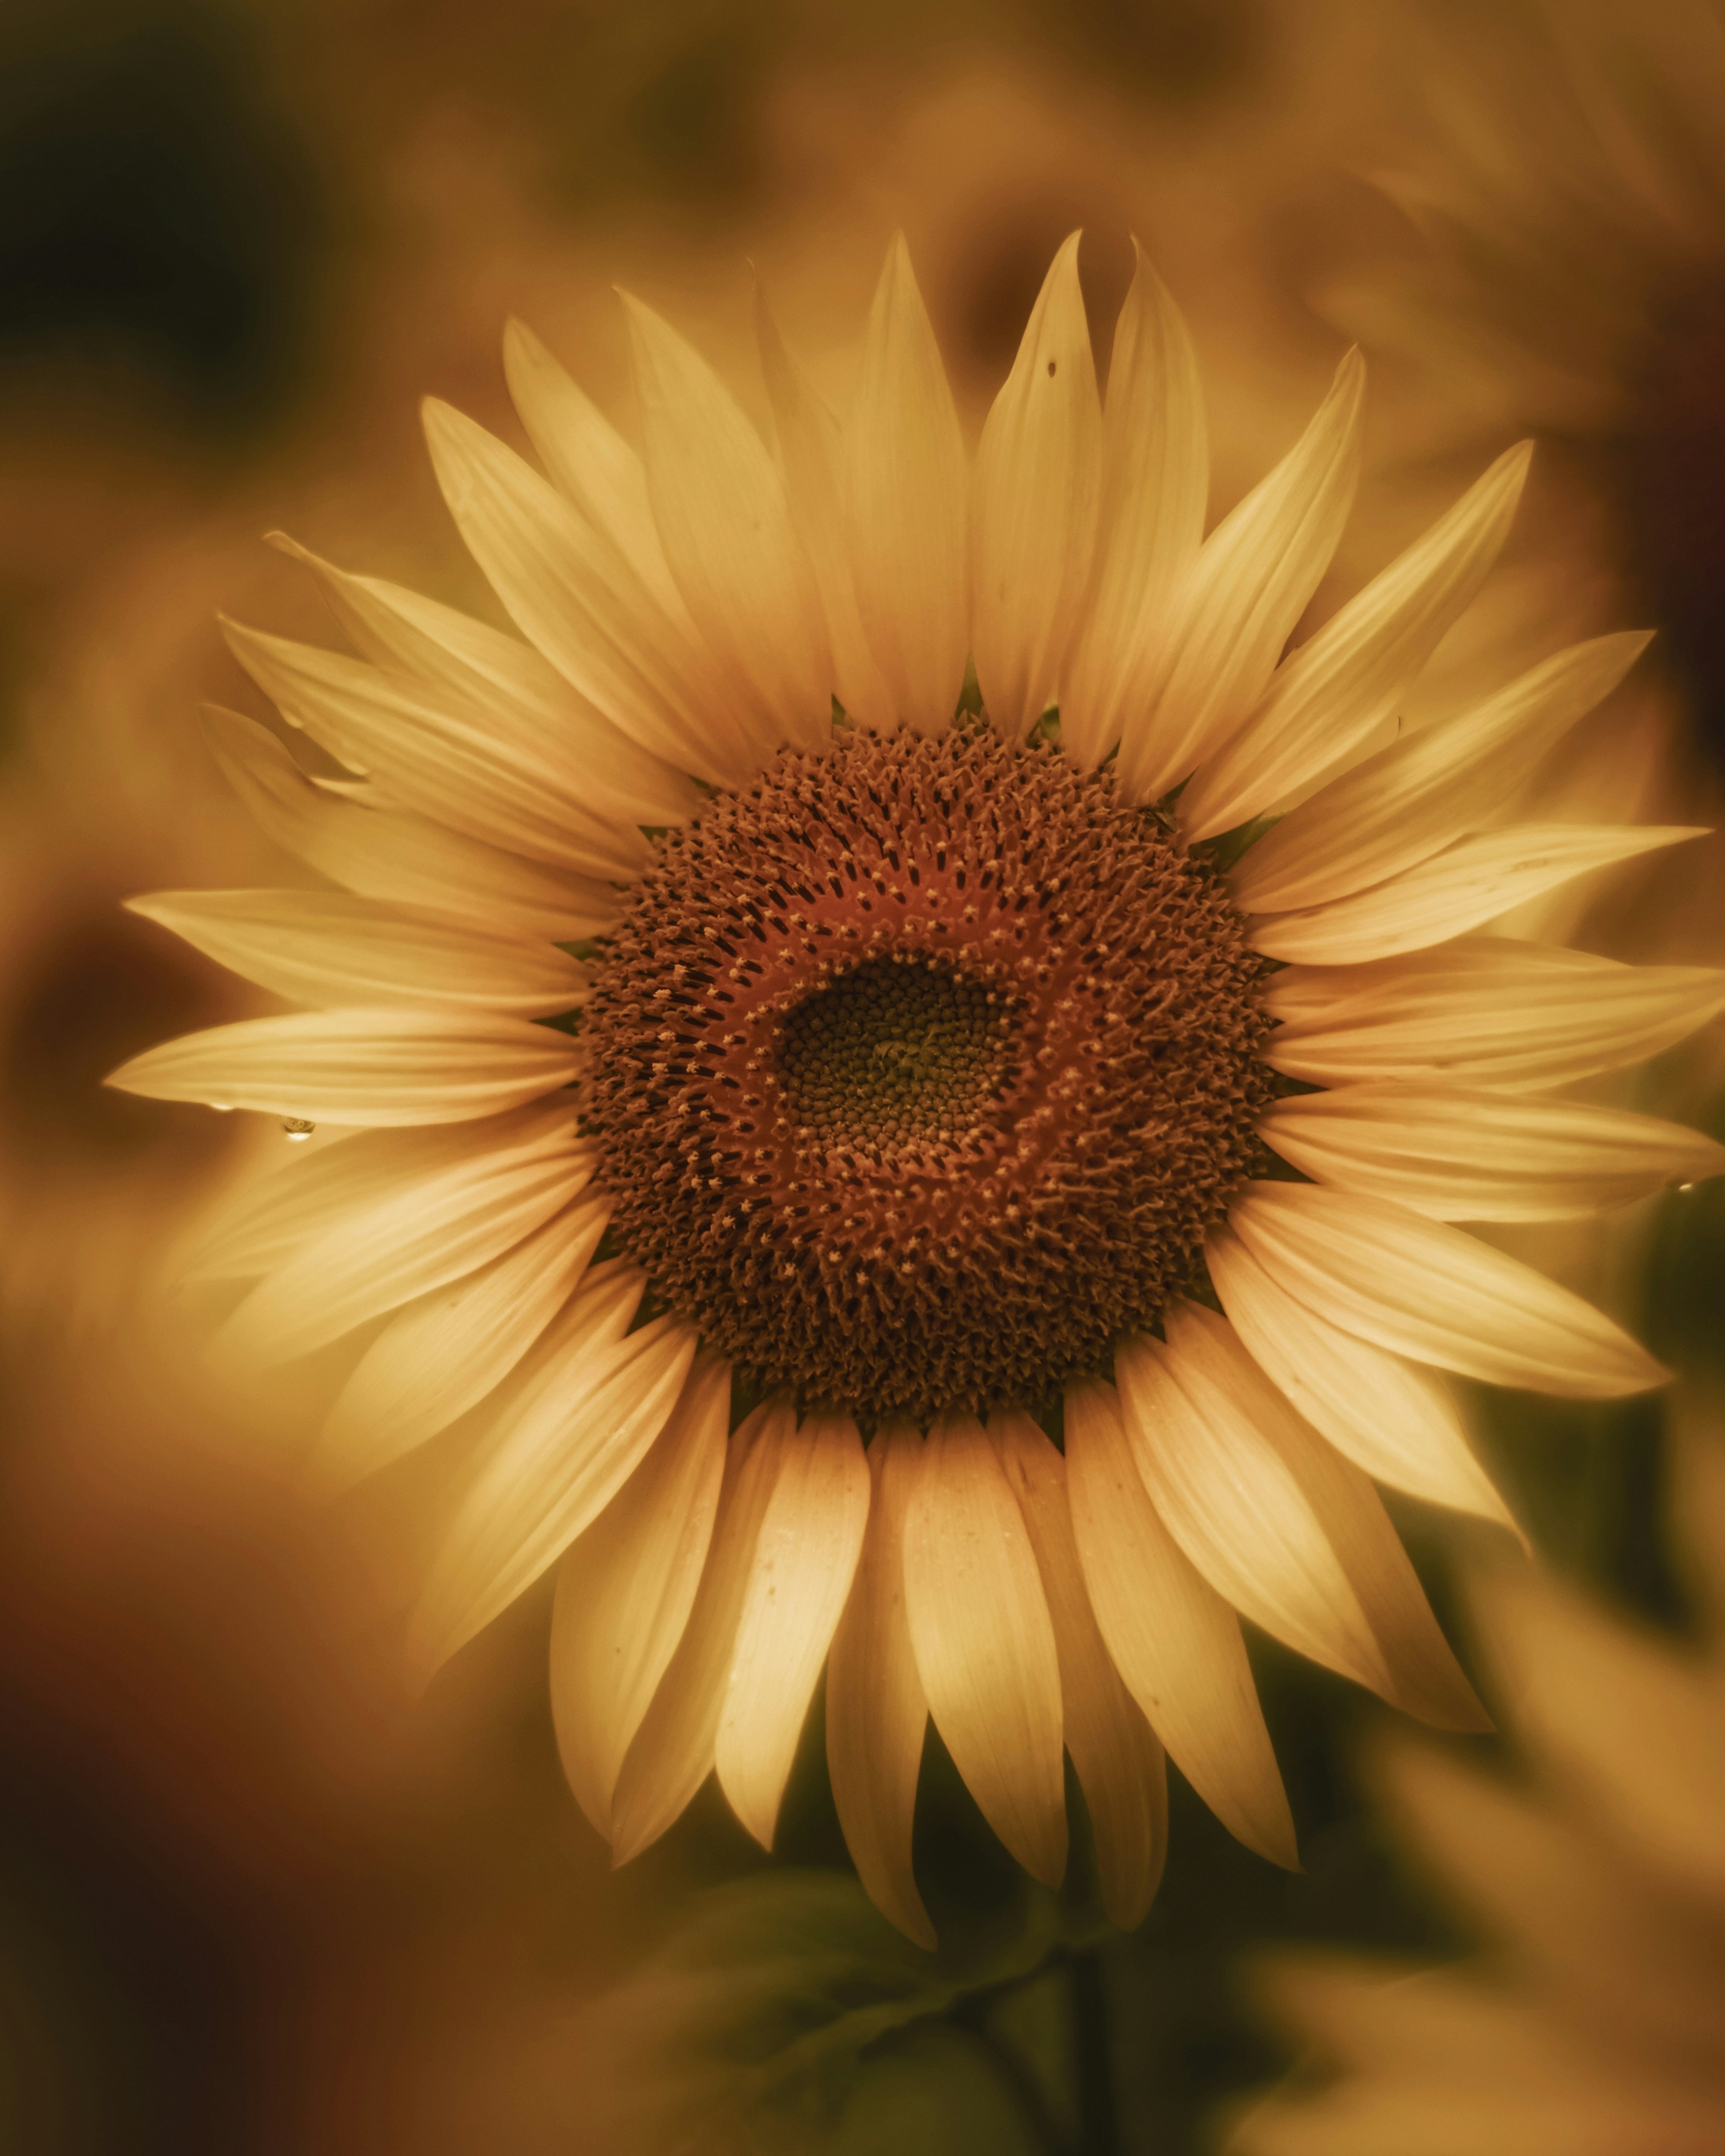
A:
[(920, 1071)]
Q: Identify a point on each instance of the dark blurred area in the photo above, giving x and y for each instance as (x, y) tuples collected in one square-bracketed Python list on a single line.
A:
[(253, 1897)]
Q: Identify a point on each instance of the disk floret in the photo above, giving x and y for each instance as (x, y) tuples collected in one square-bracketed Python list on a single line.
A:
[(920, 1070)]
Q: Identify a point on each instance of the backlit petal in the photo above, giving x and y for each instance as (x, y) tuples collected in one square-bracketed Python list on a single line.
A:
[(985, 1644), (1422, 1289), (1490, 1011), (626, 1587), (1344, 682), (1462, 1154), (1397, 1420), (359, 1066), (720, 508), (1411, 799), (444, 1353), (672, 1751), (1155, 481), (1034, 500), (877, 1714), (1173, 1638), (905, 494), (1118, 1758), (805, 1558), (1248, 585), (1471, 881)]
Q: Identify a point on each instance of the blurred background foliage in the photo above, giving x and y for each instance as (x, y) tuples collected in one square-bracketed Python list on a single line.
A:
[(252, 1897)]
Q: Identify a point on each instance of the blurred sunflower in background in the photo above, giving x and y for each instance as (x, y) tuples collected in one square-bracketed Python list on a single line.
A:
[(747, 1008), (1594, 2024)]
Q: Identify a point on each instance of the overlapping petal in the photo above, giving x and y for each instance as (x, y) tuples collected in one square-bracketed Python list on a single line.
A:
[(877, 1712), (1248, 585), (444, 1353), (729, 540), (402, 860), (984, 1643), (626, 1588), (1395, 1419), (805, 1557), (1033, 502), (672, 1751), (905, 492), (1425, 1289), (1120, 1764), (1461, 1152), (1155, 483), (436, 755), (1491, 1011), (1173, 1638), (571, 1441), (1345, 681), (1411, 799), (1472, 880)]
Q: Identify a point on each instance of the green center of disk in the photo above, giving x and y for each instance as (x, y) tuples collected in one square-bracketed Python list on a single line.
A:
[(895, 1050)]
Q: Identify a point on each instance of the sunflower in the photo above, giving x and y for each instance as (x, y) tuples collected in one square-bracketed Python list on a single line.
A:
[(1593, 2027), (883, 1174)]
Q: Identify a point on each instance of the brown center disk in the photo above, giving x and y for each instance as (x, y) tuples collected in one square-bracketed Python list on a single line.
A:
[(920, 1070)]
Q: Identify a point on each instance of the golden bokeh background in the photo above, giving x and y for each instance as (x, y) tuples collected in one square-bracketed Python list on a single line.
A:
[(253, 1896)]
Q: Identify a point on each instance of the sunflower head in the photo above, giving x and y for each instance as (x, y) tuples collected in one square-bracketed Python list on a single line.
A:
[(784, 1083)]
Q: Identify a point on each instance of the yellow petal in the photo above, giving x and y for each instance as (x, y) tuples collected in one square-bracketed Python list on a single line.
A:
[(589, 462), (1490, 1011), (811, 449), (1155, 481), (1292, 1533), (412, 1239), (435, 755), (805, 1558), (672, 1751), (1422, 1289), (1394, 1419), (254, 1225), (1118, 1758), (877, 1711), (985, 1644), (359, 1066), (1033, 502), (1471, 881), (1414, 798), (626, 1587), (563, 1451), (1343, 683), (444, 1353), (401, 859), (331, 947), (403, 631), (720, 509), (1240, 1506), (1171, 1637), (1463, 1153), (569, 589), (1248, 585), (905, 505)]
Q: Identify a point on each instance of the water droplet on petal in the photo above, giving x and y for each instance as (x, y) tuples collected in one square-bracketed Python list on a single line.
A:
[(297, 1128)]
